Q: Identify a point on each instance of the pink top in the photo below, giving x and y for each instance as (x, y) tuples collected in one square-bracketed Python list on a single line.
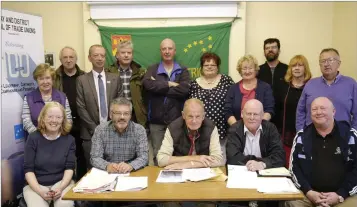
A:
[(247, 94)]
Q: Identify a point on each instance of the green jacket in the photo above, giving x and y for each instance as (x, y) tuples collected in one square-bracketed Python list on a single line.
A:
[(58, 79), (136, 90)]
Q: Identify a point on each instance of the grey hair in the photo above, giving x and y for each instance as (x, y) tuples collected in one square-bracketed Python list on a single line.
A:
[(124, 44), (122, 101), (67, 47)]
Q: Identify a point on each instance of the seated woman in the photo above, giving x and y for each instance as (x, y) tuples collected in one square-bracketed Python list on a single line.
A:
[(35, 100), (49, 159), (248, 88)]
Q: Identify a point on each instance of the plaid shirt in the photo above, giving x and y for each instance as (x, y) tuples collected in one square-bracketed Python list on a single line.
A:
[(125, 76), (108, 146)]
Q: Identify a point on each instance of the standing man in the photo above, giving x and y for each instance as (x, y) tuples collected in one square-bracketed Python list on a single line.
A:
[(340, 89), (94, 91), (131, 75), (65, 81), (167, 84)]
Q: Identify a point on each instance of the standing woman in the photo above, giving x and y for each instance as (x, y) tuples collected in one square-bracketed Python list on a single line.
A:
[(248, 88), (297, 75), (211, 88), (36, 99)]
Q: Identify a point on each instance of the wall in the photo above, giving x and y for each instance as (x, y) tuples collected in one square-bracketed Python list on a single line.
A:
[(62, 24), (345, 36)]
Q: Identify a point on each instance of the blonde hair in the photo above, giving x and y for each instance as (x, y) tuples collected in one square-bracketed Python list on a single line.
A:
[(41, 69), (249, 59), (298, 59), (66, 125), (125, 44)]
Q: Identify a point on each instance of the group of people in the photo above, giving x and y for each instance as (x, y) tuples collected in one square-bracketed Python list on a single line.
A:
[(274, 117)]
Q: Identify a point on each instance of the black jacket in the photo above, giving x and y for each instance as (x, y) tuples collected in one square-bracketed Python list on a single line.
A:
[(271, 147), (301, 159)]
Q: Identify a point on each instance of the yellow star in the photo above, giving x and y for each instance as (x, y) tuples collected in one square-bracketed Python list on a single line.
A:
[(204, 50), (189, 45), (185, 50), (201, 42), (210, 46), (115, 41), (195, 43), (210, 37)]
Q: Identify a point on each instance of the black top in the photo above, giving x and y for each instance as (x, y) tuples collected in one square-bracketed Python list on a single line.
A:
[(69, 88), (328, 168), (48, 159)]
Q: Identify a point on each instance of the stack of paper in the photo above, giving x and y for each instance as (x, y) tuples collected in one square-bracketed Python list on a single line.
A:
[(97, 181), (276, 185), (178, 176), (240, 177), (131, 183), (275, 172)]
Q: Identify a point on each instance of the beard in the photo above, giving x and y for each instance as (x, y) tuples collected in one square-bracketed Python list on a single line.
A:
[(272, 56)]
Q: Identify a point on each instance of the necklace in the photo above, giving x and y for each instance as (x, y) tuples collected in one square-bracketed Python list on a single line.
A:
[(210, 82)]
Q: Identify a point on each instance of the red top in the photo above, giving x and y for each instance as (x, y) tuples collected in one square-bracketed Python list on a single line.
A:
[(247, 94)]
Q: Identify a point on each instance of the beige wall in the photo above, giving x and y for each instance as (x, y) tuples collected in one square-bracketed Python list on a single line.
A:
[(303, 28), (62, 24)]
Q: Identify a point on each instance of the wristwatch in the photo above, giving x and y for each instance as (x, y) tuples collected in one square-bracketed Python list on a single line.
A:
[(340, 199)]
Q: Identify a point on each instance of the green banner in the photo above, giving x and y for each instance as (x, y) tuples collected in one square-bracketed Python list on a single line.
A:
[(191, 42)]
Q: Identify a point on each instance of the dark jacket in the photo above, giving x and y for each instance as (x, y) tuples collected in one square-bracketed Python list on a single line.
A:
[(271, 148), (279, 74), (301, 159), (232, 104), (181, 141), (166, 103), (36, 103), (58, 83), (136, 90)]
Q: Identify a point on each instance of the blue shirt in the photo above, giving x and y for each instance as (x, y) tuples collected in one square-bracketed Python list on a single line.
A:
[(342, 92)]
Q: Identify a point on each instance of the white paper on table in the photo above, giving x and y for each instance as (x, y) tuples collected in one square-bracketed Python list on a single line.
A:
[(240, 177), (276, 185), (170, 176), (131, 183), (198, 174)]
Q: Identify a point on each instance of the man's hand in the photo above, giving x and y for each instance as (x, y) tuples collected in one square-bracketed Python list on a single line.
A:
[(57, 193), (124, 167), (46, 194), (207, 161), (253, 165), (316, 198), (331, 198), (178, 166), (172, 84), (112, 168)]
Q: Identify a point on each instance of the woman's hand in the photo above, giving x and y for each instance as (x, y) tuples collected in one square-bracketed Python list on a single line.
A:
[(57, 193), (46, 195)]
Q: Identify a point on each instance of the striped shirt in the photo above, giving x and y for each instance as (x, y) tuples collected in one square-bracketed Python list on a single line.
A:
[(125, 76), (109, 146), (26, 115)]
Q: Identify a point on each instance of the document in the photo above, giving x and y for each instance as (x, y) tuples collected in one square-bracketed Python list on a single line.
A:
[(179, 176), (131, 183), (240, 177), (276, 185), (275, 172)]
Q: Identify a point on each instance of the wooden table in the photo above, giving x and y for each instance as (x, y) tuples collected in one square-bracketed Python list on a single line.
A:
[(192, 191)]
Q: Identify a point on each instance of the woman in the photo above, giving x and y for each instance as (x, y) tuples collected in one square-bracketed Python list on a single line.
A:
[(248, 88), (35, 100), (297, 75), (49, 159), (211, 88)]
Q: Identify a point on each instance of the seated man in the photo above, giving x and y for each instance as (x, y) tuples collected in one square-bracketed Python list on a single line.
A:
[(323, 162), (119, 145), (191, 141), (253, 141)]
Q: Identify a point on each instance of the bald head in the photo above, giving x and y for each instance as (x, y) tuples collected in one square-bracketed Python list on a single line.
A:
[(252, 115), (168, 41), (253, 103), (168, 51), (323, 101), (322, 113)]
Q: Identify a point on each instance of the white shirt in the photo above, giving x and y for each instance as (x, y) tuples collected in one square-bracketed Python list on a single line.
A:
[(252, 146), (95, 76)]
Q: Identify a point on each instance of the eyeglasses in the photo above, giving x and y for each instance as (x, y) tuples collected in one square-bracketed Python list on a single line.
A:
[(125, 114), (211, 66), (329, 61), (247, 69)]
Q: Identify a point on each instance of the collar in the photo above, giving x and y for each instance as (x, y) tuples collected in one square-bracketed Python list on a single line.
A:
[(45, 136), (112, 127), (259, 128), (95, 73), (124, 70), (162, 70), (60, 70), (338, 77), (332, 134)]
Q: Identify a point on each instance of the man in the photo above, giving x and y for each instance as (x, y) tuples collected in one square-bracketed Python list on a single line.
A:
[(167, 84), (120, 145), (131, 75), (341, 90), (191, 141), (254, 142), (323, 162), (94, 90), (65, 81)]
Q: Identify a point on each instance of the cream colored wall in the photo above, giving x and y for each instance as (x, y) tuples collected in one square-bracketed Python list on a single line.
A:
[(237, 40), (302, 28), (62, 24), (345, 36)]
